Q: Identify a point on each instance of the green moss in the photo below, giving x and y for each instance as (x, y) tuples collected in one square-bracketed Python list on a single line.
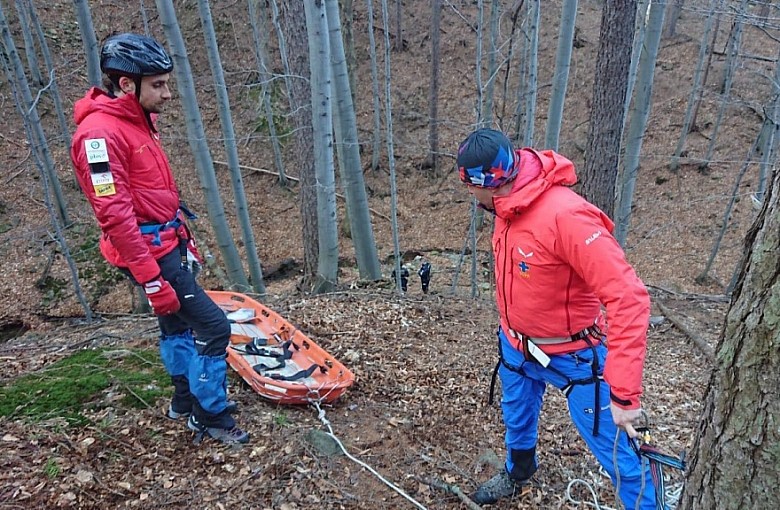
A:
[(76, 383)]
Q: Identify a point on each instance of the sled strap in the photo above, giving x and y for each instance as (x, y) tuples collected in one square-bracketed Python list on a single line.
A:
[(302, 374)]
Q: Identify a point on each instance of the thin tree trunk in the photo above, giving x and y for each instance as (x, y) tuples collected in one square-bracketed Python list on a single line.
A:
[(702, 277), (561, 78), (515, 12), (602, 155), (704, 49), (348, 150), (348, 17), (640, 28), (29, 44), (145, 19), (675, 7), (478, 107), (769, 152), (89, 39), (433, 94), (390, 154), (399, 36), (200, 150), (55, 94), (231, 151), (531, 84), (376, 146), (261, 55), (487, 111), (638, 119), (735, 42)]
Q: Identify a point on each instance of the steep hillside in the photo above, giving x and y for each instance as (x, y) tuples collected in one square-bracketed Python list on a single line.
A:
[(423, 362)]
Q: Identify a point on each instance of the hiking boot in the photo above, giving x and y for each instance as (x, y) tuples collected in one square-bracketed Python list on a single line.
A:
[(227, 436), (230, 408), (500, 486)]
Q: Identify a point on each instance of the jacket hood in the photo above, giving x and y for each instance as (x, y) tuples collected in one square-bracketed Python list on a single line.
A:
[(539, 171), (98, 101)]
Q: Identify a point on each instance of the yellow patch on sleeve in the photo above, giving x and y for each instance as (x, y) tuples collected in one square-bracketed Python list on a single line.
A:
[(105, 190)]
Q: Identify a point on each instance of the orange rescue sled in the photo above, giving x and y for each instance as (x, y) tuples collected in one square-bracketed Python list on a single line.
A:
[(276, 359)]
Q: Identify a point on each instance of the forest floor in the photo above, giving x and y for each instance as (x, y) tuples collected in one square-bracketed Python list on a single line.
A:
[(418, 411)]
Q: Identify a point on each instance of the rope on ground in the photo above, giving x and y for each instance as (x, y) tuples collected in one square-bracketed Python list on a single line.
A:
[(321, 416), (594, 503)]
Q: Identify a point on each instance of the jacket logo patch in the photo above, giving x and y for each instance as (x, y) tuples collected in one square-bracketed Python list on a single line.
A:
[(104, 190), (524, 269), (595, 235), (141, 149), (524, 254)]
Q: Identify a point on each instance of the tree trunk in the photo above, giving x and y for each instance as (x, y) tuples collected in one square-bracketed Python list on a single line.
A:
[(347, 24), (91, 49), (29, 111), (675, 7), (734, 45), (705, 49), (348, 150), (29, 44), (530, 84), (231, 150), (399, 36), (322, 135), (260, 39), (561, 78), (390, 152), (293, 27), (376, 136), (490, 86), (200, 150), (55, 94), (609, 93), (736, 453), (40, 151), (638, 119), (433, 93)]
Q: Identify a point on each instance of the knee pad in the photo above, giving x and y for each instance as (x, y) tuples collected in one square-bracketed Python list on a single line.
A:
[(176, 352)]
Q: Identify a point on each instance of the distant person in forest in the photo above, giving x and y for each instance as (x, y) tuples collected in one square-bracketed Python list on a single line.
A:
[(124, 173), (556, 264)]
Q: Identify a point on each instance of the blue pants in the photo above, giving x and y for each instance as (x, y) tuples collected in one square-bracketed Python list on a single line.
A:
[(523, 389)]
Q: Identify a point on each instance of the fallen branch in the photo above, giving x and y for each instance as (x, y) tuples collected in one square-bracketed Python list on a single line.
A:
[(271, 172), (697, 340), (452, 489), (718, 298)]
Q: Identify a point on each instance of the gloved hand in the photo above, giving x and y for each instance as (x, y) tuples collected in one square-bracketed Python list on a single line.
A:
[(162, 298)]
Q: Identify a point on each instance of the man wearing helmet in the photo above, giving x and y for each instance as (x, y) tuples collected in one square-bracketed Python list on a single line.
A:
[(124, 173), (556, 265)]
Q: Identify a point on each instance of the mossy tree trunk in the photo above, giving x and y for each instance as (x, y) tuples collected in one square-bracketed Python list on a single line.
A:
[(736, 455)]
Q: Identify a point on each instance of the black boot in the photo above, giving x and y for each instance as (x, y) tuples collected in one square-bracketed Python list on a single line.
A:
[(181, 403)]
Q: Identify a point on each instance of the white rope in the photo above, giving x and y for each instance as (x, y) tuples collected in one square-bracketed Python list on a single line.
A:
[(321, 416), (594, 503)]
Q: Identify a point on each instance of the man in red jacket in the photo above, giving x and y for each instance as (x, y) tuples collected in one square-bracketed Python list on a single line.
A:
[(124, 173), (556, 264)]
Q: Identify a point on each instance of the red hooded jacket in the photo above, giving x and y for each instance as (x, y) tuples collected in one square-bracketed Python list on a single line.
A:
[(116, 136), (557, 263)]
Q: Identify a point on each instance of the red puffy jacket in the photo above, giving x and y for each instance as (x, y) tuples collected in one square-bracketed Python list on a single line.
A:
[(557, 263), (140, 188)]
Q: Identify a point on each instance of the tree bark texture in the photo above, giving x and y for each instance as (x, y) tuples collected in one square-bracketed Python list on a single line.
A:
[(293, 22), (736, 454), (609, 94)]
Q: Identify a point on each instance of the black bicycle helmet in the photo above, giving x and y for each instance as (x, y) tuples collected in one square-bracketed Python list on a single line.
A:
[(135, 55)]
